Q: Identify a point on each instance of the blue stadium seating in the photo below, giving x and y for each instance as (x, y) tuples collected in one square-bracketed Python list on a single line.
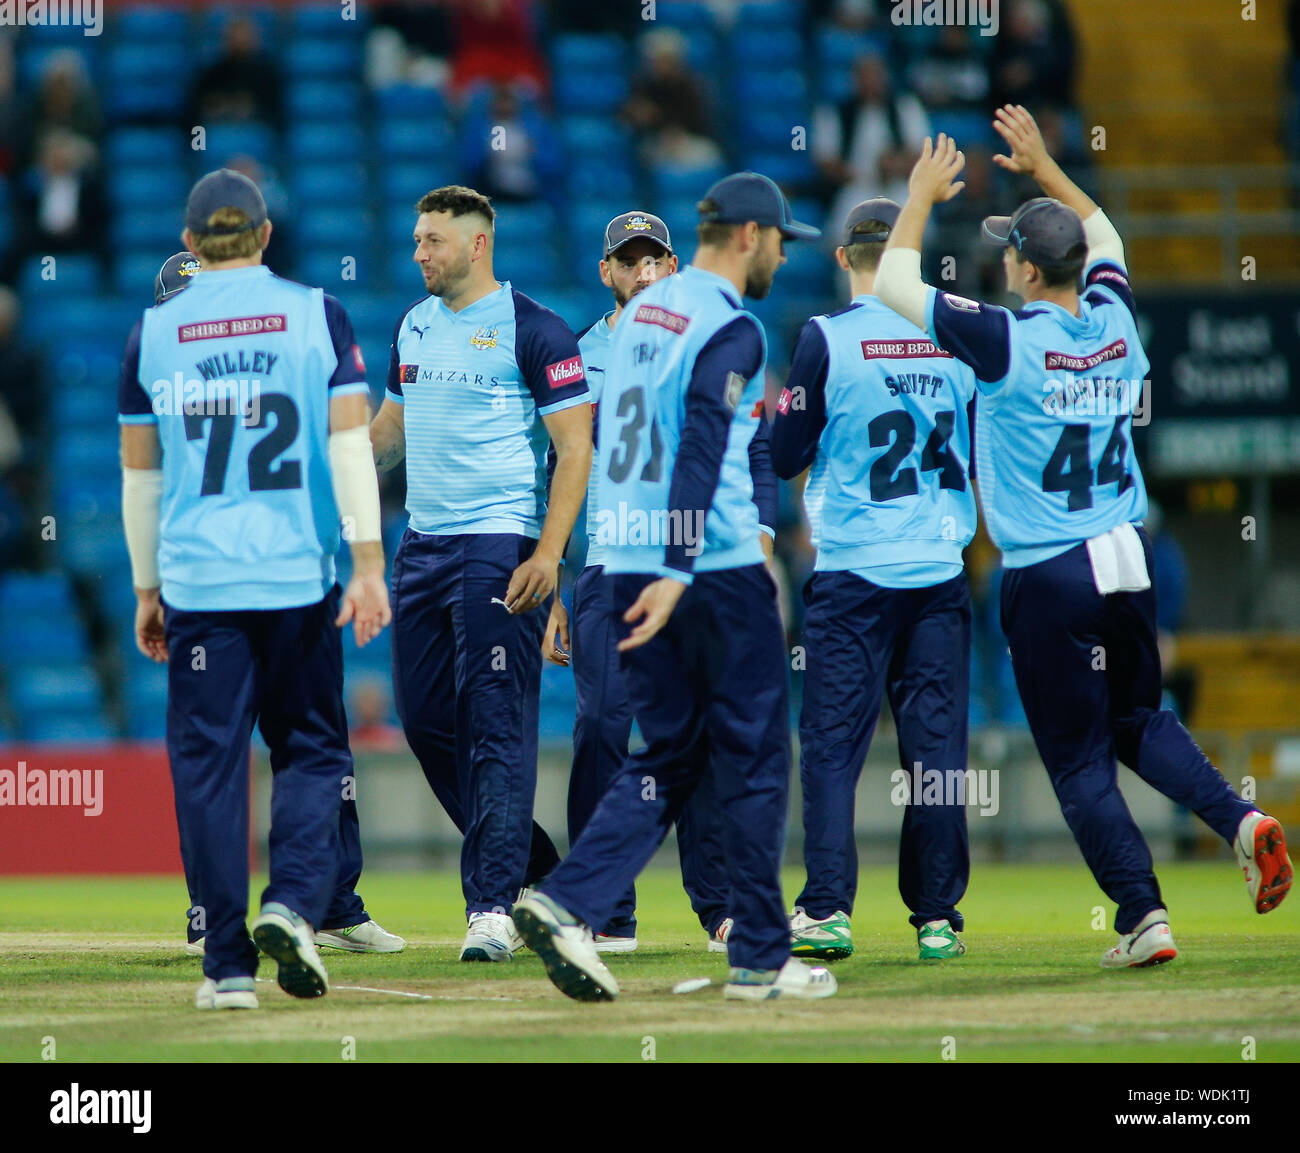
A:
[(783, 14), (324, 57), (595, 136), (324, 100), (53, 638), (160, 147), (836, 50), (970, 129), (25, 594), (685, 183), (36, 689), (413, 138), (212, 24), (60, 728), (72, 275), (524, 223), (764, 48), (784, 88), (147, 187), (321, 21), (614, 175), (147, 24), (600, 93), (326, 183), (688, 15), (79, 411), (323, 142), (409, 101), (138, 83), (144, 698), (134, 273), (406, 181), (579, 55), (94, 543), (788, 167), (223, 141)]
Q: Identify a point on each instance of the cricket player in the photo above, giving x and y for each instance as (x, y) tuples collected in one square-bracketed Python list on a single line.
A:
[(703, 653), (350, 927), (637, 251), (243, 411), (880, 413), (481, 379), (1063, 498)]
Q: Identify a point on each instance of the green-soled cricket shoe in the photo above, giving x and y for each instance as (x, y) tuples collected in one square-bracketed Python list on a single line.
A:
[(828, 939), (939, 941)]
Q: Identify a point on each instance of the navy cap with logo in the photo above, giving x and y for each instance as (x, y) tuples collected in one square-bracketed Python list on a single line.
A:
[(224, 188), (636, 226), (880, 209), (175, 275), (746, 196), (1043, 230)]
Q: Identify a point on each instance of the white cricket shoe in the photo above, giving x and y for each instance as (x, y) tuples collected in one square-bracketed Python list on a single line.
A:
[(795, 979), (195, 948), (606, 944), (719, 937), (228, 993), (1261, 853), (368, 937), (1150, 943), (289, 941), (491, 937), (566, 948)]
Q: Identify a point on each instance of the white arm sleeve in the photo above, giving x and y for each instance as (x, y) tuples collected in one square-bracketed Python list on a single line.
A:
[(141, 511), (899, 284), (1103, 241), (356, 484)]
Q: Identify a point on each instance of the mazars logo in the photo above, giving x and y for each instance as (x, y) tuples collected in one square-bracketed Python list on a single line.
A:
[(564, 372)]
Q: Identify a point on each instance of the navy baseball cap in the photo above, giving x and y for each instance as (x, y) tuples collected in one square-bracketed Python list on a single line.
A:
[(175, 275), (882, 209), (224, 188), (746, 196), (636, 226), (1043, 230)]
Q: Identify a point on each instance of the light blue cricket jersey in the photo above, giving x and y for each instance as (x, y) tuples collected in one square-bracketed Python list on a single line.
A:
[(1053, 430), (237, 372), (888, 497), (475, 385), (594, 345), (686, 336)]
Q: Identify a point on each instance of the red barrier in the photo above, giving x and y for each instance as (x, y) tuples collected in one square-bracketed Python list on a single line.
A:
[(87, 809)]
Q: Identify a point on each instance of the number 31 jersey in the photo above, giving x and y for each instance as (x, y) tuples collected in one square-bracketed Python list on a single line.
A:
[(237, 372), (1053, 434)]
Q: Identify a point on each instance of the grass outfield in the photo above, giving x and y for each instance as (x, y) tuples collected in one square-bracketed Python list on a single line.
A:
[(98, 965)]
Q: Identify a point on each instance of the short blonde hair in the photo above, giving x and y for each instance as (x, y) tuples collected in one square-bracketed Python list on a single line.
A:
[(214, 248)]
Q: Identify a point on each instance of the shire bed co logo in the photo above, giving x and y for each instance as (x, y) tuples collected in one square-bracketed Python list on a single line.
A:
[(66, 788)]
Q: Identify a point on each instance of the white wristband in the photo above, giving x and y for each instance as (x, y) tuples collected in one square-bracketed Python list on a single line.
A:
[(899, 284), (141, 510), (356, 484)]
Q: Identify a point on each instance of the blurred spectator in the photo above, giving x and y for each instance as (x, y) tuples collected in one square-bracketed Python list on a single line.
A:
[(369, 710), (11, 118), (668, 106), (495, 41), (977, 271), (64, 102), (409, 43), (242, 84), (509, 151), (1033, 56), (951, 73), (61, 206), (24, 429), (867, 145)]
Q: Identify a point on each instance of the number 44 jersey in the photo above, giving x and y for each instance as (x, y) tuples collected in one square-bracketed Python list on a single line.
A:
[(237, 372)]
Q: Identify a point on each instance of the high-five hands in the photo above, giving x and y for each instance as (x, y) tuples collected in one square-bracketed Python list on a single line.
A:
[(934, 175), (1028, 152)]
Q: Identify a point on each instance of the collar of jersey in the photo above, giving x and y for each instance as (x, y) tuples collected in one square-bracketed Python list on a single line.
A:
[(724, 285), (1044, 307), (487, 301), (253, 270)]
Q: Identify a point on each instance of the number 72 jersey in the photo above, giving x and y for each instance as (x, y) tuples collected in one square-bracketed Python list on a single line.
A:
[(237, 372)]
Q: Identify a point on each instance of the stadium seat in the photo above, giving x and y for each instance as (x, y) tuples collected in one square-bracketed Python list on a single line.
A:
[(321, 21), (688, 15), (160, 147), (789, 167), (213, 22), (323, 142), (152, 25), (327, 58), (323, 267), (807, 270), (595, 137), (134, 272), (600, 93), (52, 638), (409, 101), (324, 100), (319, 184), (136, 86), (784, 88), (781, 14), (406, 181), (25, 594), (35, 689), (518, 224), (342, 229), (684, 183), (59, 729), (833, 49), (413, 138), (223, 141), (532, 268), (147, 186), (94, 543), (69, 275), (578, 54), (970, 129), (86, 408), (614, 175), (765, 47)]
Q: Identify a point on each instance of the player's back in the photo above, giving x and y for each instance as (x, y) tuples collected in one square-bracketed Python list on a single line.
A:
[(889, 484), (642, 412), (238, 369), (1053, 438)]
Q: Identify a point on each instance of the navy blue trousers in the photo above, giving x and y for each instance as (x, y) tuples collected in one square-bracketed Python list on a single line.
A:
[(709, 691), (862, 640), (282, 669), (466, 678), (1088, 672), (602, 728), (346, 906)]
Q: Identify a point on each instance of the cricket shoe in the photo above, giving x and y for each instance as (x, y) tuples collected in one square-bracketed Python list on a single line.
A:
[(1150, 943), (721, 935), (938, 941), (491, 937), (368, 937), (828, 939), (228, 993), (195, 948), (1261, 853), (566, 948), (288, 940), (794, 979), (607, 944)]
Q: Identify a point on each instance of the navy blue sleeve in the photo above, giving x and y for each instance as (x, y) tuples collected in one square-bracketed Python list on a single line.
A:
[(395, 381), (351, 369), (736, 348), (133, 402), (766, 497), (1108, 274), (978, 334), (547, 352), (801, 412)]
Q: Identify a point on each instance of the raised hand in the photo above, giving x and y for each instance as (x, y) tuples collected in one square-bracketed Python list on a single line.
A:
[(934, 175), (1028, 152)]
